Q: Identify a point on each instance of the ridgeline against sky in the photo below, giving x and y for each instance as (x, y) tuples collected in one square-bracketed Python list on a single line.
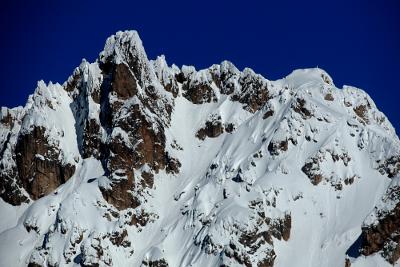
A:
[(355, 41)]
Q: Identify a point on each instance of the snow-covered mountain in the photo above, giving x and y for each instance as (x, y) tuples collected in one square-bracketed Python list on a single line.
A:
[(132, 162)]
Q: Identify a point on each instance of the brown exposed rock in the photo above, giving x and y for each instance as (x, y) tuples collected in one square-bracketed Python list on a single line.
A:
[(212, 129), (349, 180), (10, 184), (119, 239), (268, 261), (142, 218), (384, 236), (172, 165), (155, 263), (10, 189), (121, 159), (326, 78), (329, 97), (73, 82), (92, 139), (120, 164), (199, 93), (281, 228), (39, 169), (120, 195), (390, 166), (147, 179), (254, 93), (209, 246), (124, 82), (361, 112), (221, 80), (254, 240), (86, 260), (299, 107), (275, 148), (7, 119), (268, 114), (229, 128), (151, 149), (234, 252), (180, 77), (311, 170)]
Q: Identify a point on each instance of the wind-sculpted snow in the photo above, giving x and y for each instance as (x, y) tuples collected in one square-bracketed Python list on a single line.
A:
[(132, 162)]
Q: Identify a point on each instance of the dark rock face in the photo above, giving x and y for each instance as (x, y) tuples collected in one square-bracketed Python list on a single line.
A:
[(213, 128), (250, 89), (124, 83), (133, 139), (268, 114), (199, 93), (120, 239), (275, 147), (119, 195), (254, 93), (384, 237), (347, 263), (10, 190), (10, 185), (361, 112), (329, 97), (390, 166), (156, 263), (311, 169), (92, 142), (300, 107), (39, 169), (256, 241)]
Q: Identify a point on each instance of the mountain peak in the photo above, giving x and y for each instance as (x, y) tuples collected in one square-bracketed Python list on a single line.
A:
[(132, 162), (122, 45), (303, 76)]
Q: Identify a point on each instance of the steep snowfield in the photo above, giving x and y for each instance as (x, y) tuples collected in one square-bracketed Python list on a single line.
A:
[(291, 188)]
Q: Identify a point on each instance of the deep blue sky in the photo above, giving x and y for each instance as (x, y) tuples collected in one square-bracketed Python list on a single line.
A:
[(356, 42)]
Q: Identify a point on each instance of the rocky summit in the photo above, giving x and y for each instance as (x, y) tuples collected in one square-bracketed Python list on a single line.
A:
[(134, 162)]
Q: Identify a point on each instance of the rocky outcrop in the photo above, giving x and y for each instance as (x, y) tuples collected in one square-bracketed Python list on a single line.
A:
[(384, 237), (254, 92), (124, 83), (390, 166), (135, 115), (39, 168), (155, 263), (316, 172), (300, 107), (383, 234), (11, 189), (212, 129)]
